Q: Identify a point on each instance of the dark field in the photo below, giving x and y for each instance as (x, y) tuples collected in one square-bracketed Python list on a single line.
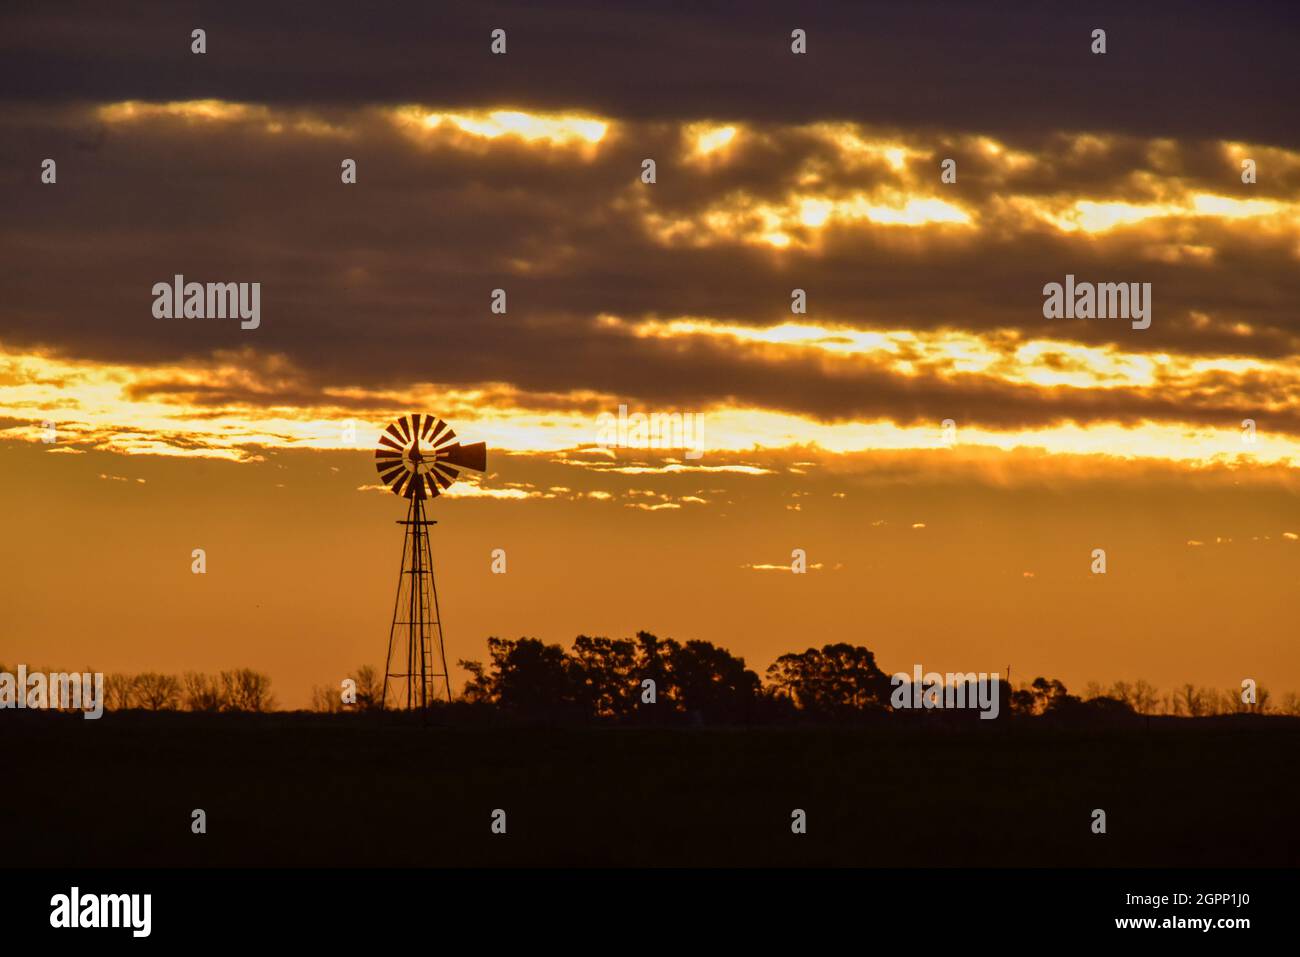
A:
[(346, 790)]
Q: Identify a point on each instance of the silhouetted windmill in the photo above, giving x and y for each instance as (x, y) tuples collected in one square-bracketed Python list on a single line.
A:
[(418, 457)]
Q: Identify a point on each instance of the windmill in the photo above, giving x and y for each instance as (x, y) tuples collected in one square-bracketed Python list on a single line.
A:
[(418, 457)]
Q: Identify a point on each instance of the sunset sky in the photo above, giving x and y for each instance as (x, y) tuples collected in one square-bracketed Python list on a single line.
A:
[(821, 431)]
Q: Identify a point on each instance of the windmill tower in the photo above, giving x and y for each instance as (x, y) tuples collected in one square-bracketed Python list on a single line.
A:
[(418, 457)]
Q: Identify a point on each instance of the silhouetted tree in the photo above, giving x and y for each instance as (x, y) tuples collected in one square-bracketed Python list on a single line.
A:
[(1232, 703), (604, 676), (157, 692), (326, 700), (1023, 701), (1139, 697), (119, 691), (653, 657), (527, 678), (835, 681), (712, 684), (1051, 697), (370, 688), (201, 692), (478, 689), (1189, 702), (1145, 697), (246, 690)]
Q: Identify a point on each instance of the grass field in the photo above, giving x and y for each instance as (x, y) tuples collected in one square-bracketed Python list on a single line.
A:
[(345, 790)]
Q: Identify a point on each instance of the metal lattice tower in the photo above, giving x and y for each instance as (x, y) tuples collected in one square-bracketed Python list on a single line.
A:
[(418, 457)]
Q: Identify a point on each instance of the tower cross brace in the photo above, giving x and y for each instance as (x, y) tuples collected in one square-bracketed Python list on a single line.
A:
[(411, 673)]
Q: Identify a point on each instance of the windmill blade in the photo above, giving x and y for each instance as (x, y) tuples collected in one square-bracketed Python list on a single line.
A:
[(436, 432), (418, 456), (389, 464), (472, 456), (444, 474), (441, 434), (392, 436)]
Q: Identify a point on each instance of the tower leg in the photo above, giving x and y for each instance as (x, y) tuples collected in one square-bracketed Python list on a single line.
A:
[(422, 623), (437, 617), (392, 631)]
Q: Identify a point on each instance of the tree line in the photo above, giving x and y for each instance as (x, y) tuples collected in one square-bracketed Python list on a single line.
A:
[(241, 689), (648, 679), (654, 680)]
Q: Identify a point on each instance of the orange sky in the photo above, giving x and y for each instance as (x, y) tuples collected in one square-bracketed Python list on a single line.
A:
[(961, 548)]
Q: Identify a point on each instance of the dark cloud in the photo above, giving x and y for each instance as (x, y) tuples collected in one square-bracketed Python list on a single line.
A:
[(386, 284), (1172, 68)]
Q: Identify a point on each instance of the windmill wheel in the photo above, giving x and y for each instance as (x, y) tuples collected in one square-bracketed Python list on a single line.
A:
[(418, 456)]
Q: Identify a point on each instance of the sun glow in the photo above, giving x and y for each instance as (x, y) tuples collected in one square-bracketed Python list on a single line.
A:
[(949, 354), (707, 139), (552, 129), (1096, 217), (134, 411), (210, 110)]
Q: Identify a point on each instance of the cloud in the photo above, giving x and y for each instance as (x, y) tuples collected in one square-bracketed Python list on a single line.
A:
[(676, 468), (924, 297), (721, 65)]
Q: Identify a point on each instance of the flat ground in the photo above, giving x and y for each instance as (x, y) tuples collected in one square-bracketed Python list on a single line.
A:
[(319, 790)]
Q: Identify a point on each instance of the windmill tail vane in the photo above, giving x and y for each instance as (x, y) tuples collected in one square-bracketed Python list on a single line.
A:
[(418, 458)]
